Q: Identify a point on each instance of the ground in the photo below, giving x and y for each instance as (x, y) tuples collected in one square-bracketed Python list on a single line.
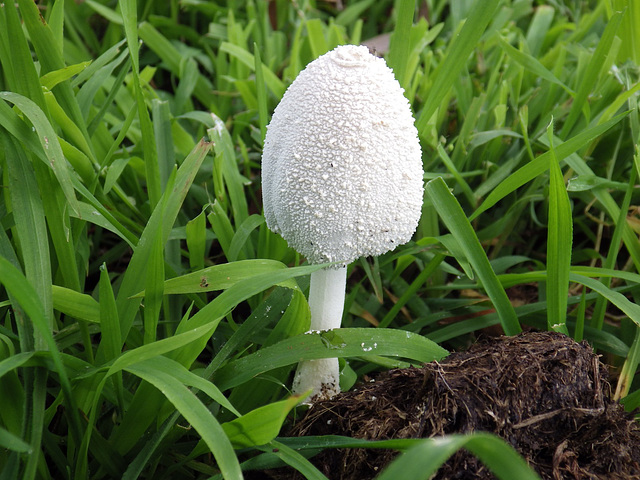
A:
[(545, 394)]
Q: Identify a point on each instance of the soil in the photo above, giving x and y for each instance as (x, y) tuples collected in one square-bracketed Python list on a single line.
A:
[(545, 394)]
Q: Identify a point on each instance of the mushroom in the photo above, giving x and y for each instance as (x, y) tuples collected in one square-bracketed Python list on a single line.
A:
[(342, 178)]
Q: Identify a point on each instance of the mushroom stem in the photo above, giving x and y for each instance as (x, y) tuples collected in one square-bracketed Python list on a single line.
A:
[(326, 301), (326, 297)]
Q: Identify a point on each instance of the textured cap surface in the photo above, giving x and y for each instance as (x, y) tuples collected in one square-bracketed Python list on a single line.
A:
[(341, 166)]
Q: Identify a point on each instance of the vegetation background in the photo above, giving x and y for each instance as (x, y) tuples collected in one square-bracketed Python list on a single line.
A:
[(150, 320)]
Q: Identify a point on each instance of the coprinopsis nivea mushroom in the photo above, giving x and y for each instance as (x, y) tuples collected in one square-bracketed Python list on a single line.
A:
[(342, 178)]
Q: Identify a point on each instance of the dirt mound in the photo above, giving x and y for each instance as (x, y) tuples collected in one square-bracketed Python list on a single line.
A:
[(545, 394)]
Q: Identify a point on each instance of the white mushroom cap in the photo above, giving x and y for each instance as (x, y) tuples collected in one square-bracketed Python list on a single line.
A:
[(341, 167)]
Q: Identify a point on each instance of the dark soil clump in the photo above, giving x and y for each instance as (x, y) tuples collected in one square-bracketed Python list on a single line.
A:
[(545, 394)]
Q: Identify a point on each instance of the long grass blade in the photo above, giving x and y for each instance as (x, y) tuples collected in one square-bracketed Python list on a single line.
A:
[(345, 342), (559, 245), (48, 141), (424, 459), (194, 412), (456, 221)]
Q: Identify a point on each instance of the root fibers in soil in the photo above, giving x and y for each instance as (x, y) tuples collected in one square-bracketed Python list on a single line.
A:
[(543, 393)]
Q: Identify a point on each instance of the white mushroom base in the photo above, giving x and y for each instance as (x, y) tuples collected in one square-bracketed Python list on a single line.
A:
[(326, 302), (321, 376)]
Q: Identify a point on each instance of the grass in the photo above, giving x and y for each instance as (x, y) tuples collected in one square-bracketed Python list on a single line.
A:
[(151, 321)]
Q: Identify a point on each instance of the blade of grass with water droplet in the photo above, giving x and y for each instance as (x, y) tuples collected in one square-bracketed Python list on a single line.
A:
[(343, 342)]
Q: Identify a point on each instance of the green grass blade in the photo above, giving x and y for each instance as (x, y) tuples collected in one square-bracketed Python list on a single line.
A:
[(559, 245), (77, 150), (423, 460), (190, 379), (28, 299), (532, 64), (51, 79), (49, 53), (160, 223), (294, 459), (627, 373), (159, 347), (17, 61), (629, 30), (171, 58), (111, 338), (456, 221), (204, 324), (631, 309), (221, 226), (416, 284), (539, 27), (261, 92), (12, 442), (243, 290), (30, 226), (223, 145), (194, 412), (540, 164), (316, 37), (106, 12), (240, 238), (196, 234), (400, 41), (609, 204), (279, 300), (130, 22), (275, 85), (590, 77), (164, 140), (14, 361), (75, 304), (261, 425), (456, 58), (154, 284), (49, 142), (220, 277), (466, 190), (599, 310), (100, 216)]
